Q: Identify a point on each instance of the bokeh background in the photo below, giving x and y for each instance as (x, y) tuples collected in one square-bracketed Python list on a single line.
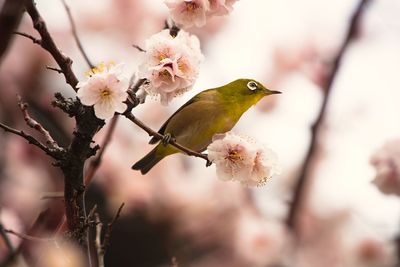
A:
[(180, 209)]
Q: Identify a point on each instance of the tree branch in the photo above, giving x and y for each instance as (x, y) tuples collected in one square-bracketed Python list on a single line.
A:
[(33, 39), (37, 126), (3, 233), (49, 45), (31, 140), (75, 34), (107, 234), (95, 163), (28, 237), (10, 17), (54, 69), (172, 142), (298, 196)]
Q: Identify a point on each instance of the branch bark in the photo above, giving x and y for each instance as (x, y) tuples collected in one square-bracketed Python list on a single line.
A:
[(51, 143), (87, 125), (302, 181), (49, 45), (10, 17), (172, 142), (75, 34)]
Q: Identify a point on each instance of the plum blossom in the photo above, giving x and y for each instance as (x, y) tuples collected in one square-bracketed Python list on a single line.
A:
[(242, 159), (105, 89), (188, 13), (387, 164), (220, 7), (171, 64)]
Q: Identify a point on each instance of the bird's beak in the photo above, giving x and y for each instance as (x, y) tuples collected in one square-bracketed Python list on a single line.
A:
[(271, 92)]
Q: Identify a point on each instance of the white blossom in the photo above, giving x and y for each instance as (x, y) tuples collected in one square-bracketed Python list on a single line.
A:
[(188, 13), (105, 89), (242, 159), (171, 64)]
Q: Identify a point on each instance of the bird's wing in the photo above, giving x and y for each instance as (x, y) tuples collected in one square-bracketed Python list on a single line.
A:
[(205, 94)]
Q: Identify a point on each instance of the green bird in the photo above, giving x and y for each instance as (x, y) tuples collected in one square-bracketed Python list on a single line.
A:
[(208, 113)]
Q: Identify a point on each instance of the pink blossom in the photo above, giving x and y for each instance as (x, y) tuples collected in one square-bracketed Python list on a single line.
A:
[(188, 13), (220, 7), (242, 159), (171, 64), (387, 164), (105, 89)]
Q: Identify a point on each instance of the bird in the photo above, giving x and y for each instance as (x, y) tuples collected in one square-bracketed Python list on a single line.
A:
[(210, 112)]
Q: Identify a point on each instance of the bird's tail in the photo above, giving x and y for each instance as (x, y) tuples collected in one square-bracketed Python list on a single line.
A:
[(147, 162)]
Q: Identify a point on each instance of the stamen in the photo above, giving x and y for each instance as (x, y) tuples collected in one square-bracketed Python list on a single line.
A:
[(105, 92)]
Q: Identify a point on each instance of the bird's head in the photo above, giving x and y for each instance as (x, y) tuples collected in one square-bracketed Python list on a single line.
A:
[(246, 90)]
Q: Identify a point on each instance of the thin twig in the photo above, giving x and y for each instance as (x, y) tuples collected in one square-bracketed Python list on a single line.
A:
[(138, 48), (95, 163), (88, 222), (30, 139), (33, 39), (52, 195), (135, 88), (28, 237), (49, 45), (55, 69), (100, 252), (147, 129), (298, 196), (75, 34), (3, 233), (37, 126), (10, 17), (107, 234)]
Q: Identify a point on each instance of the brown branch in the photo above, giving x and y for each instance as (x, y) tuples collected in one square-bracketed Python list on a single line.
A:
[(172, 142), (31, 140), (75, 34), (28, 237), (135, 88), (10, 17), (52, 195), (298, 196), (138, 48), (107, 234), (33, 39), (3, 233), (37, 126), (95, 163), (97, 242), (54, 69), (49, 45)]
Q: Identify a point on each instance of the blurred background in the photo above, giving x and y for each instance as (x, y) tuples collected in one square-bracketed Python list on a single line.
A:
[(180, 209)]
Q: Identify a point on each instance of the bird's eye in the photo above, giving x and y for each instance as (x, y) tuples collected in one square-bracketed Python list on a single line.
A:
[(252, 85)]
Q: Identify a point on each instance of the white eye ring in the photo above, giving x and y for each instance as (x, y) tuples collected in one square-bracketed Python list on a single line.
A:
[(252, 85)]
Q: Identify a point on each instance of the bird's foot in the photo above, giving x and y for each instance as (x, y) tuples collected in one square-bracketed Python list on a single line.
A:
[(167, 139), (208, 163)]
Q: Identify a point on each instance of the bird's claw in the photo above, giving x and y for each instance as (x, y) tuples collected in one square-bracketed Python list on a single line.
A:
[(208, 163), (167, 139)]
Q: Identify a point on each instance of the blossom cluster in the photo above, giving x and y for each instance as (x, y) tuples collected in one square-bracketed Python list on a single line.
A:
[(105, 89), (171, 64), (242, 159), (188, 13)]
